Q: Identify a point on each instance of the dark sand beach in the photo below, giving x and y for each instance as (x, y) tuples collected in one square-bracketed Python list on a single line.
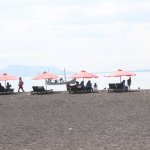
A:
[(62, 121)]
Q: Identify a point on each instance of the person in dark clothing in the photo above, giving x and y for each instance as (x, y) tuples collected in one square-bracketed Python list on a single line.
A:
[(8, 86), (123, 85), (2, 88), (77, 84), (89, 86), (129, 82), (82, 85)]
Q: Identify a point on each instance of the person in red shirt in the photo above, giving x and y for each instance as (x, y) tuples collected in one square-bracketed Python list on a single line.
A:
[(20, 84)]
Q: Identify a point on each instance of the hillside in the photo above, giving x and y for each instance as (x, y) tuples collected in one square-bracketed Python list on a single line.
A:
[(19, 70)]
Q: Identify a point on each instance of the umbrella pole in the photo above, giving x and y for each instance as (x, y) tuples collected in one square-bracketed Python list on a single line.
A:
[(45, 84), (5, 84), (65, 74)]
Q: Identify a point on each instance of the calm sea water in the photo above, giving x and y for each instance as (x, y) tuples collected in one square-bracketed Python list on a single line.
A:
[(142, 80)]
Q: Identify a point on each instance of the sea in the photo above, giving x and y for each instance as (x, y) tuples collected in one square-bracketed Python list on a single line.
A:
[(140, 81)]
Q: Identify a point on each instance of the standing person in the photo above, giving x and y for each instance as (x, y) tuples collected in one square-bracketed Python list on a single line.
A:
[(20, 84), (129, 82)]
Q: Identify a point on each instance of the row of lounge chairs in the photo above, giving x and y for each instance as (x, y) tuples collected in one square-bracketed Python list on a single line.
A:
[(36, 90), (113, 87)]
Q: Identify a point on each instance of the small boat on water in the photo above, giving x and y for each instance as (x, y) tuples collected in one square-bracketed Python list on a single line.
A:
[(60, 81)]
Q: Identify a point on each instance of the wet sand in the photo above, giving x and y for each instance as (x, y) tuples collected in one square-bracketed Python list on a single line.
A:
[(62, 121)]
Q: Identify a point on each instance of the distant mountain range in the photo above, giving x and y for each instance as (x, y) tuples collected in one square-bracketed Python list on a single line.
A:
[(141, 70), (26, 71), (29, 71), (137, 70)]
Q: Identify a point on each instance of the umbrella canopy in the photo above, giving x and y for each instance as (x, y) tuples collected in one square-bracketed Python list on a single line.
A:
[(5, 77), (120, 73), (84, 74), (45, 75)]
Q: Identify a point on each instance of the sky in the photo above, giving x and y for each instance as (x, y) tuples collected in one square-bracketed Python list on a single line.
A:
[(92, 35)]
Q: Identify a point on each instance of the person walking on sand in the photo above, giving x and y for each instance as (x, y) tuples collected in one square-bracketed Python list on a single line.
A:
[(129, 82), (20, 84)]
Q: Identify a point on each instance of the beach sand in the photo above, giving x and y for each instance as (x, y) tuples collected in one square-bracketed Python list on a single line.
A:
[(62, 121)]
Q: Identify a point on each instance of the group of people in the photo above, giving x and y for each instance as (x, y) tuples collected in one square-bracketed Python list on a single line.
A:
[(128, 84), (86, 88), (8, 86)]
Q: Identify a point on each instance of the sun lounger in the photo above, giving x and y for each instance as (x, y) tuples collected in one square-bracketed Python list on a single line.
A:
[(2, 91), (112, 87), (9, 91), (40, 90), (35, 90), (6, 91), (117, 87), (121, 87), (74, 89)]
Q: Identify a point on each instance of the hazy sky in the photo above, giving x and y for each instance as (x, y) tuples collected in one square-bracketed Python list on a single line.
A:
[(95, 35)]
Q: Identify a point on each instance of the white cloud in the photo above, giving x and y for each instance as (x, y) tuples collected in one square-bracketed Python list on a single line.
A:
[(113, 7), (76, 33)]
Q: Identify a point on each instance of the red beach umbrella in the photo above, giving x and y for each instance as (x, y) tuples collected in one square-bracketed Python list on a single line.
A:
[(45, 75), (120, 73), (5, 77), (84, 74)]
